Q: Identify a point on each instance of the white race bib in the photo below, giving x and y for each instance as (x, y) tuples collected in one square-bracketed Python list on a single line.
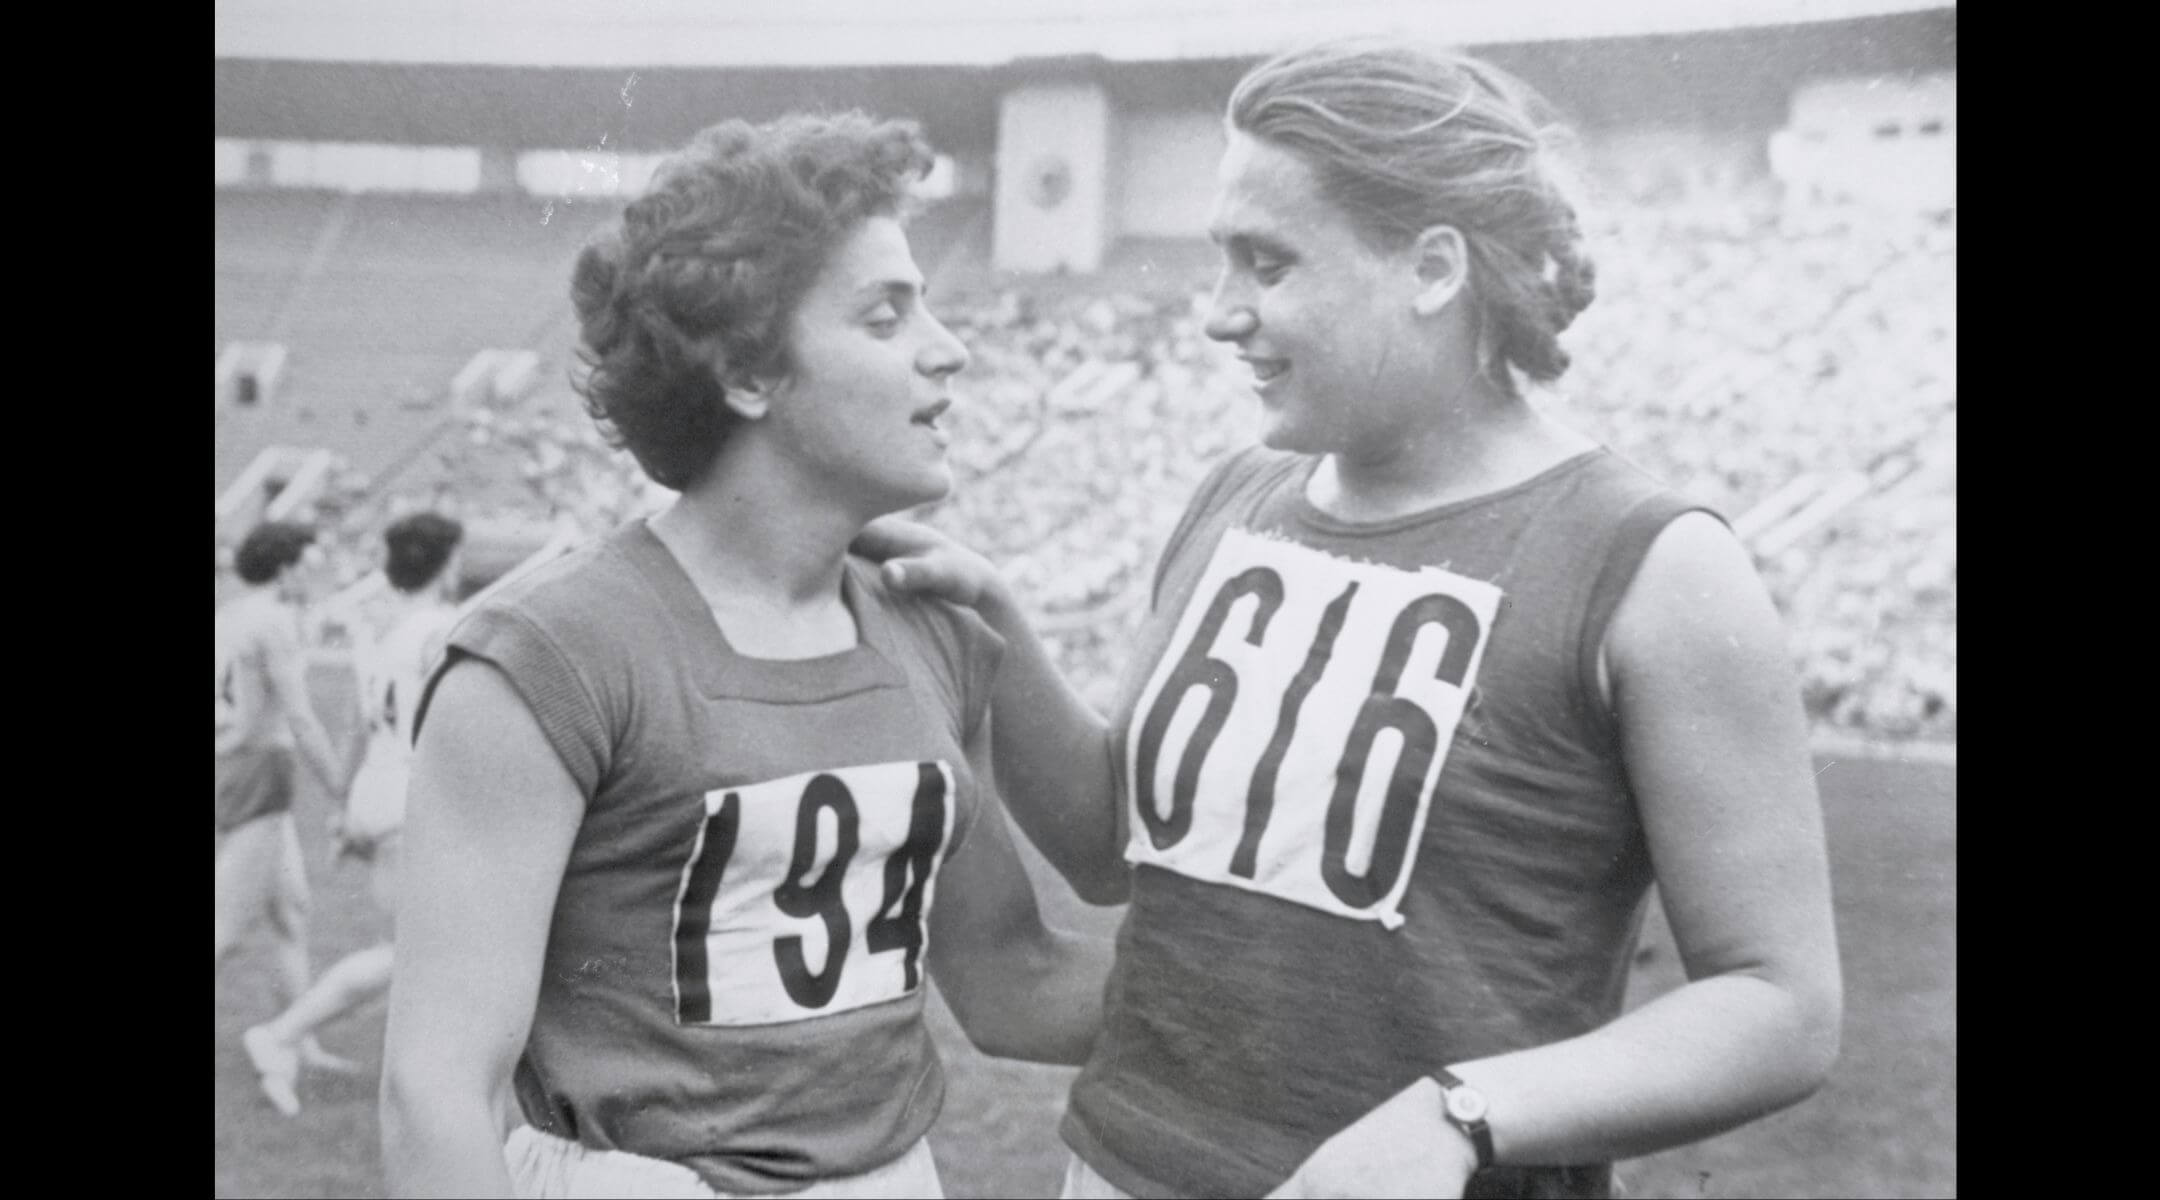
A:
[(1290, 738), (808, 895)]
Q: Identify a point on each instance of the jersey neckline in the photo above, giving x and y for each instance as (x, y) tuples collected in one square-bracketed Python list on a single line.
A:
[(1310, 514), (722, 672)]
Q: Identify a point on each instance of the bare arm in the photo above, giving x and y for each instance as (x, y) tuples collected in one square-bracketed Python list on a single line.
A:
[(1019, 988), (1716, 748), (1053, 752), (492, 817)]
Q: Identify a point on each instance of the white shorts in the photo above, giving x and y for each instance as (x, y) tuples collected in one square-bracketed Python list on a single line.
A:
[(546, 1167), (1082, 1183), (375, 804)]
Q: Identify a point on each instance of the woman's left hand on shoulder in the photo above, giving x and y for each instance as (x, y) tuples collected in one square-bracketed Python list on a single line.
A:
[(924, 561)]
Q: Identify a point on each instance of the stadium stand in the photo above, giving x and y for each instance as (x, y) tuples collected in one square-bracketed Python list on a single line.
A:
[(375, 326), (262, 242), (1795, 366), (1762, 368)]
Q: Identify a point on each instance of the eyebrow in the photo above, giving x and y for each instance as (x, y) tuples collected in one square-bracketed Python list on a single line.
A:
[(888, 289), (1243, 240)]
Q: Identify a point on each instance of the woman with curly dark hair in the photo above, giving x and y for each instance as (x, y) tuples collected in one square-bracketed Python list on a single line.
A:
[(695, 808), (1432, 690)]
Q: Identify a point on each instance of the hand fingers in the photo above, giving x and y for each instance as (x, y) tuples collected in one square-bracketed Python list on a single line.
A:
[(875, 544), (924, 574), (888, 537)]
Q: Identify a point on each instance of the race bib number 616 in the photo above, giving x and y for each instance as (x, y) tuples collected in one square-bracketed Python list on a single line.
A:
[(1290, 739)]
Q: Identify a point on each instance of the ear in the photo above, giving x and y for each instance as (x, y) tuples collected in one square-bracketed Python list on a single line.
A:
[(1442, 259), (749, 396)]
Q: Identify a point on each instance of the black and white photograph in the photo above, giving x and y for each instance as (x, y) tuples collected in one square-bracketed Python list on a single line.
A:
[(1099, 599)]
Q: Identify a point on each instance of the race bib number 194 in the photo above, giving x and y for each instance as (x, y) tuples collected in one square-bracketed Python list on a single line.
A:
[(1290, 739), (808, 895)]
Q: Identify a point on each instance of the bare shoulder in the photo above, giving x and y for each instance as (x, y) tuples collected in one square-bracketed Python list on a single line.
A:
[(474, 703), (254, 619), (1696, 602), (592, 600), (1696, 572)]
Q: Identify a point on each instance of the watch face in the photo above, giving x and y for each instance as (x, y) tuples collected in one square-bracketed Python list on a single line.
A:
[(1465, 1105)]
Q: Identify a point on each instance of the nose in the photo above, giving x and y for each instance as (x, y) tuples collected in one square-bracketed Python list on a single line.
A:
[(942, 354), (1230, 315)]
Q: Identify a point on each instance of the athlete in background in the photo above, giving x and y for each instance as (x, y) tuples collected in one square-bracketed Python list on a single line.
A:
[(263, 717), (421, 566)]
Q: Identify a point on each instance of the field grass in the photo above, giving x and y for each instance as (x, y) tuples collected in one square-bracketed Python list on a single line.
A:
[(1886, 1124)]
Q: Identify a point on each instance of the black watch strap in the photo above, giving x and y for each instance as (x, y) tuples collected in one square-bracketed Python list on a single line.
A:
[(1464, 1107)]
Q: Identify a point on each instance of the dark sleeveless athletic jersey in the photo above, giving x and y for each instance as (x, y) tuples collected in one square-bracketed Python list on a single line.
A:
[(1379, 817), (734, 973)]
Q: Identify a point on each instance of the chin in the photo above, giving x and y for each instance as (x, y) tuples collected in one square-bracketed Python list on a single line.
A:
[(1282, 435), (914, 493)]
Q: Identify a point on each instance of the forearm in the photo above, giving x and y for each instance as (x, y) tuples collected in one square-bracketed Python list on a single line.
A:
[(440, 1142), (1054, 760), (1048, 1005), (1715, 748), (1696, 1062), (492, 814)]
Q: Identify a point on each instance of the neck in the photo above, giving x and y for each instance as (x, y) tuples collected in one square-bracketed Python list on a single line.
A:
[(1480, 442), (746, 532)]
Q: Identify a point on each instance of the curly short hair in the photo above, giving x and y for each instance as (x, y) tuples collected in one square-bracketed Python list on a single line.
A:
[(1404, 137), (418, 548), (269, 548), (696, 282)]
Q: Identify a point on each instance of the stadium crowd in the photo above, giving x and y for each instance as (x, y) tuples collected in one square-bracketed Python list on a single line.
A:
[(1738, 355)]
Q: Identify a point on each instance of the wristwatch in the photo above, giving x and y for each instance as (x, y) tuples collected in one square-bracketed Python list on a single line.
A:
[(1464, 1107)]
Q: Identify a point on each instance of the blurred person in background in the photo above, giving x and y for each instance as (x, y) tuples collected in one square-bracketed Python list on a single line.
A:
[(1431, 690), (263, 717), (421, 566), (696, 807)]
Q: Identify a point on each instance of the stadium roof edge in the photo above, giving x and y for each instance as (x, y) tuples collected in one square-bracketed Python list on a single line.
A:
[(848, 33)]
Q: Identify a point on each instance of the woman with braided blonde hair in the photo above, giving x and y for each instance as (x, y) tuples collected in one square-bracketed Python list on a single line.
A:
[(697, 810), (1431, 691)]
